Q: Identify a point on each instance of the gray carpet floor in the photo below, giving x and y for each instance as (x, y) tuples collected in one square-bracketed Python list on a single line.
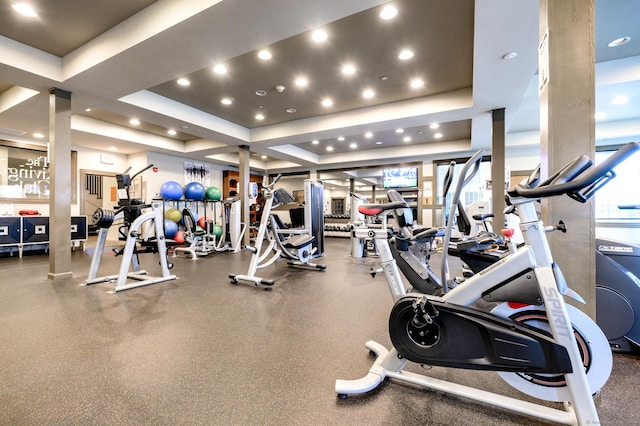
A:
[(201, 351)]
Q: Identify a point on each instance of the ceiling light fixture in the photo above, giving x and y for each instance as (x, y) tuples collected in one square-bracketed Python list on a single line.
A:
[(384, 77), (378, 142), (261, 92), (406, 139), (620, 100), (226, 101), (327, 102), (434, 126), (619, 41), (183, 82), (340, 138), (319, 36), (38, 135), (353, 145), (398, 131), (368, 94), (368, 135), (348, 69), (134, 122), (220, 69), (171, 132), (280, 88), (87, 109), (509, 55), (291, 110), (388, 12), (438, 135), (259, 116), (25, 9), (265, 55), (112, 148), (416, 83), (315, 142), (264, 157), (329, 148), (302, 82), (405, 54)]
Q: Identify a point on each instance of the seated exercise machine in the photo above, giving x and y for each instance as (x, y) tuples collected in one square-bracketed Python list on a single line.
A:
[(298, 245), (142, 233), (618, 291), (537, 343)]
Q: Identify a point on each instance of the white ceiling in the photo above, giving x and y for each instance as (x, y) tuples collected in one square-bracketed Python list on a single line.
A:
[(127, 67)]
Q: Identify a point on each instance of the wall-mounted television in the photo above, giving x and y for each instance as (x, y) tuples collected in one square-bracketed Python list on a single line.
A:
[(400, 177)]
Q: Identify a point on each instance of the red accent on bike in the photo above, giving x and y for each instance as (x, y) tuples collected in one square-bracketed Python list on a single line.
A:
[(508, 232), (517, 305)]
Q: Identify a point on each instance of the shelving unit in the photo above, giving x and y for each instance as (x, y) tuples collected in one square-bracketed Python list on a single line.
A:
[(230, 179)]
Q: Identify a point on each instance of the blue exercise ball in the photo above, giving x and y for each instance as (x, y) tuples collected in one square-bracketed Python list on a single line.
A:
[(194, 191), (170, 228), (171, 190)]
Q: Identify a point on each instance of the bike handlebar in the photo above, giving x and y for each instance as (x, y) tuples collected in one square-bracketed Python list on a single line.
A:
[(576, 180)]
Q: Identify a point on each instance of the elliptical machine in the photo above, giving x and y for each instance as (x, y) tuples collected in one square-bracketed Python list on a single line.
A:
[(535, 342)]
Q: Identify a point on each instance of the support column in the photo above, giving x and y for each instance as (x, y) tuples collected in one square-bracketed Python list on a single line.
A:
[(497, 168), (243, 188), (60, 184), (567, 129)]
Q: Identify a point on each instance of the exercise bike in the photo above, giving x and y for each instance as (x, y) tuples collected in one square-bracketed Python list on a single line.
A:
[(296, 246), (536, 343)]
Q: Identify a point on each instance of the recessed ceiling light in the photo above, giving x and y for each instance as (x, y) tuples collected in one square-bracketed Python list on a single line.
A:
[(353, 145), (134, 122), (315, 142), (620, 100), (509, 55), (87, 109), (434, 126), (261, 92), (172, 132), (406, 139), (259, 116), (378, 142), (437, 135), (264, 157), (302, 81), (280, 88), (112, 148), (398, 131), (183, 82), (319, 36), (25, 9), (38, 135), (600, 115), (226, 101), (265, 55), (416, 83), (619, 41), (329, 148), (291, 110), (384, 77), (327, 102), (388, 12), (368, 94), (220, 69), (368, 135), (340, 138), (348, 69), (405, 54)]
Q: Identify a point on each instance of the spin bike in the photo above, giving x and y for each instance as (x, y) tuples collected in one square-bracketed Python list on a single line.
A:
[(537, 344), (142, 233)]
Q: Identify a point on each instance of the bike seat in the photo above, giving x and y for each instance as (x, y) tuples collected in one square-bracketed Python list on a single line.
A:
[(376, 209), (483, 216)]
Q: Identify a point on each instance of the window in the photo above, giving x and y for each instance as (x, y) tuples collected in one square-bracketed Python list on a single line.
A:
[(621, 191), (478, 189)]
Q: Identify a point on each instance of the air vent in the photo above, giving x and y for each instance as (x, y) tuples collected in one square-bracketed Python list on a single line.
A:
[(12, 132)]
